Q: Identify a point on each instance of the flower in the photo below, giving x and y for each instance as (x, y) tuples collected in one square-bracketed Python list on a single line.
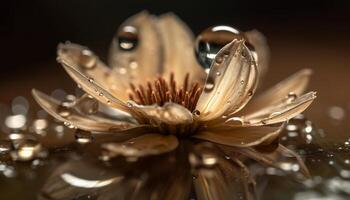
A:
[(156, 99)]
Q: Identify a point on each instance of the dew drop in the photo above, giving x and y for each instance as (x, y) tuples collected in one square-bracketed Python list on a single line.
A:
[(211, 40), (27, 150), (127, 38), (83, 137), (63, 111), (218, 73), (209, 86), (87, 105), (87, 59)]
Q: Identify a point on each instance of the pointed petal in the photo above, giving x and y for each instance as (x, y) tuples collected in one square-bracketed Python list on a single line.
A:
[(296, 84), (178, 43), (144, 60), (280, 112), (226, 179), (227, 86), (262, 50), (92, 87), (145, 145), (240, 137), (91, 66), (75, 118), (271, 159), (169, 113)]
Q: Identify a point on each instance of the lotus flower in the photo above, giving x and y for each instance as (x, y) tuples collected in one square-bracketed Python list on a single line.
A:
[(155, 99)]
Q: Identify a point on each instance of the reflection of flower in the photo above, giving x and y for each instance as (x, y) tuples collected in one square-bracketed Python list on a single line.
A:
[(158, 114)]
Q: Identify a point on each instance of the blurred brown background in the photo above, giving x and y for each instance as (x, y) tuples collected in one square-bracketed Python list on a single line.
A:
[(313, 34)]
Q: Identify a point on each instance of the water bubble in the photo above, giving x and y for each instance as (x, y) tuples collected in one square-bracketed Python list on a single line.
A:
[(127, 38), (27, 150), (63, 111), (209, 86), (291, 97), (87, 59), (211, 40), (87, 105), (69, 125), (235, 121), (83, 137)]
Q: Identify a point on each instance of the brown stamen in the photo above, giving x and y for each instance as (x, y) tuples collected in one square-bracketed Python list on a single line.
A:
[(163, 91)]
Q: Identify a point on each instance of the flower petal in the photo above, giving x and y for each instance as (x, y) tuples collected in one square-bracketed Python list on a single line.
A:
[(271, 159), (178, 43), (227, 86), (296, 84), (91, 66), (92, 87), (262, 50), (169, 113), (145, 59), (240, 137), (75, 118), (280, 112), (226, 179), (145, 145)]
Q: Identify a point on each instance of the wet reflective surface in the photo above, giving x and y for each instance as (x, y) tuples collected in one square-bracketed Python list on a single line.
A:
[(323, 141)]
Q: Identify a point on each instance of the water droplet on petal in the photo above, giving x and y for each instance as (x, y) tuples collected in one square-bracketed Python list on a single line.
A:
[(211, 40), (87, 59), (127, 38), (208, 87)]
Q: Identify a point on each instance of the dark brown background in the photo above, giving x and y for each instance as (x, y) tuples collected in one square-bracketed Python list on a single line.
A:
[(312, 34)]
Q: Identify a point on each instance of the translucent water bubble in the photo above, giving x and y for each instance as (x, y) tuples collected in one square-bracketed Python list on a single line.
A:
[(212, 39), (83, 137), (27, 150), (87, 59), (127, 38)]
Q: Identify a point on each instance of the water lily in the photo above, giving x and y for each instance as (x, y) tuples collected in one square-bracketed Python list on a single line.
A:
[(156, 99)]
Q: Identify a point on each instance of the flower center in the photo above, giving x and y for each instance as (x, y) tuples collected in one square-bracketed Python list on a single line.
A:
[(162, 91)]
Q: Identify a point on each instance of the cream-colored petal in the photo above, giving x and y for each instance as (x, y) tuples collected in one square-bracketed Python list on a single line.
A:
[(145, 145), (92, 87), (262, 50), (228, 85), (145, 60), (75, 118), (240, 136), (91, 66), (280, 112), (223, 179), (169, 113), (178, 49), (274, 158), (296, 84)]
